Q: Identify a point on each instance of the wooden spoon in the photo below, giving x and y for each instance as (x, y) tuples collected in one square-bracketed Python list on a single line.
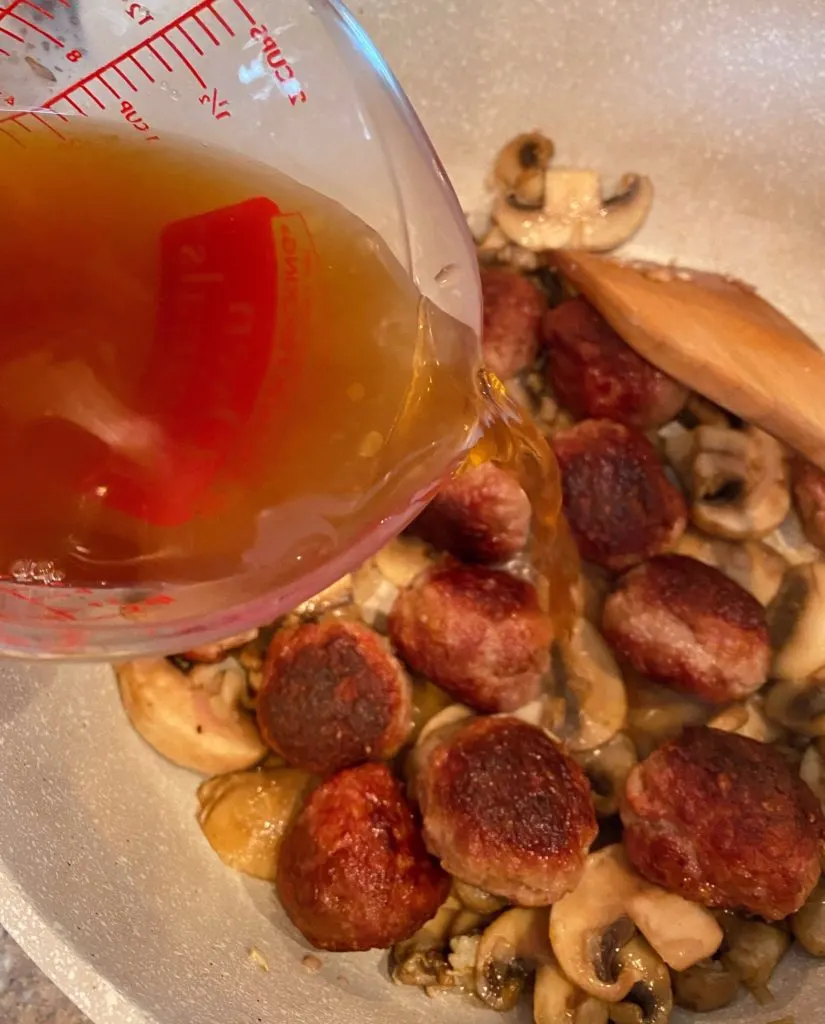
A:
[(717, 336)]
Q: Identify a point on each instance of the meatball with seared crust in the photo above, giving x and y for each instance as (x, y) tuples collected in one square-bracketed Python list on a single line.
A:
[(476, 632), (505, 808), (513, 307), (482, 515), (619, 503), (808, 483), (333, 695), (724, 820), (353, 872), (687, 625), (595, 374)]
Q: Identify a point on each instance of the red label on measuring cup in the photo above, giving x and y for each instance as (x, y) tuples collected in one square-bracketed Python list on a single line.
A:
[(221, 292)]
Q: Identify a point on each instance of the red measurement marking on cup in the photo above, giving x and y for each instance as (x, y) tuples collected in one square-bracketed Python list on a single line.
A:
[(178, 46), (32, 598), (19, 15)]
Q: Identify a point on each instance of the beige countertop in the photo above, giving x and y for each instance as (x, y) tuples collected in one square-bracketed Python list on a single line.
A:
[(26, 994)]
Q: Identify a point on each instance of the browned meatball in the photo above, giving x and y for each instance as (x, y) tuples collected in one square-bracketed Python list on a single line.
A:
[(353, 872), (724, 820), (333, 695), (478, 633), (620, 504), (513, 307), (596, 374), (687, 625), (809, 492), (482, 515), (505, 808)]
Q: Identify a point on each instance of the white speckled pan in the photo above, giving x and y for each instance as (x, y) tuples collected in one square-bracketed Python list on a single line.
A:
[(104, 878)]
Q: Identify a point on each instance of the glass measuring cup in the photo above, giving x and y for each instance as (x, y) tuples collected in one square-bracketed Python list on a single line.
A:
[(293, 85)]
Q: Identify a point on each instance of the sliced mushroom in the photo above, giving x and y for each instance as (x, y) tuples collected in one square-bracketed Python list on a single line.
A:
[(681, 932), (591, 592), (739, 482), (468, 922), (751, 564), (582, 926), (796, 619), (495, 247), (428, 701), (449, 718), (334, 596), (650, 1000), (244, 816), (709, 985), (808, 923), (574, 213), (422, 959), (194, 719), (798, 705), (520, 166), (748, 718), (376, 584), (675, 441), (403, 559), (251, 659), (592, 705), (217, 651), (788, 541), (557, 1001), (607, 768), (753, 951), (812, 771), (477, 900), (510, 950), (656, 714)]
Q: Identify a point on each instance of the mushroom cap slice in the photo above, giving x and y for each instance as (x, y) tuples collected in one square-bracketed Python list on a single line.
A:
[(812, 771), (756, 567), (579, 920), (509, 950), (796, 620), (519, 168), (244, 816), (739, 482), (595, 708), (195, 720), (682, 933), (716, 336), (748, 718), (799, 705), (557, 1001), (573, 212), (650, 1001)]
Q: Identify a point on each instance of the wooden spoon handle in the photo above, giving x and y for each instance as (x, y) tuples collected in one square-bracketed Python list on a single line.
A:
[(717, 336)]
